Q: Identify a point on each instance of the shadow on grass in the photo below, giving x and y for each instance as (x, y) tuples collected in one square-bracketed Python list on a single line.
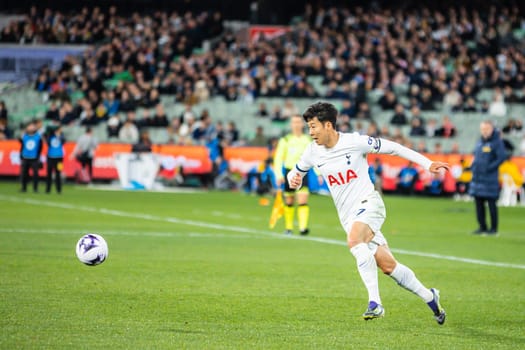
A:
[(466, 334), (492, 337)]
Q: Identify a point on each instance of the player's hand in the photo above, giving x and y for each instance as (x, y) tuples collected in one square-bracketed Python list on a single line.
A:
[(296, 182), (280, 182), (435, 167)]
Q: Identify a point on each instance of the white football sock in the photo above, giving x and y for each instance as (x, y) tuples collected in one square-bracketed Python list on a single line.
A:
[(406, 278), (366, 265)]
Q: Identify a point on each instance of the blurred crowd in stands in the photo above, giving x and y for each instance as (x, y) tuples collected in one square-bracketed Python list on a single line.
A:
[(418, 61)]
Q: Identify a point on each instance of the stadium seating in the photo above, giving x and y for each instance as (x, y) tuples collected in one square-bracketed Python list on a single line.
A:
[(25, 104)]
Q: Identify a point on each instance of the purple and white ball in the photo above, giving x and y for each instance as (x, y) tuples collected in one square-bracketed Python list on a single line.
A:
[(92, 249)]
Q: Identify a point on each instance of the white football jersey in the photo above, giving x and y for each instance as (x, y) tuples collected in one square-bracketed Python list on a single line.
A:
[(344, 167)]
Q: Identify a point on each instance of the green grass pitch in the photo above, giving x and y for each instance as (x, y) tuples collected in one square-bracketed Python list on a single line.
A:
[(203, 271)]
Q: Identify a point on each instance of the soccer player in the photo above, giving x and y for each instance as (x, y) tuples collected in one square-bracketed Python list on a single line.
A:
[(287, 154), (341, 160)]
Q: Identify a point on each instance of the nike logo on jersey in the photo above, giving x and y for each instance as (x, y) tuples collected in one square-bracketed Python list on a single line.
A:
[(360, 211), (320, 165)]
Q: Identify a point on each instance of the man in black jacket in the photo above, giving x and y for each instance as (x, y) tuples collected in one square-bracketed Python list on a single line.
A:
[(488, 155)]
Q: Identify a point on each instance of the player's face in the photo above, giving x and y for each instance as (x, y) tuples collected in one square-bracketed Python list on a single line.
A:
[(317, 131)]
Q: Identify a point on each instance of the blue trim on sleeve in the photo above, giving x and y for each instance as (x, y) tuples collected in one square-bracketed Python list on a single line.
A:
[(301, 170)]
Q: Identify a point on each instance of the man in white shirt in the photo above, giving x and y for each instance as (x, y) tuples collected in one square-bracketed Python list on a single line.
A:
[(341, 160)]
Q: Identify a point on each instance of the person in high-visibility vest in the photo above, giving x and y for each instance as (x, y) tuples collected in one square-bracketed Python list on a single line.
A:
[(55, 158), (30, 149)]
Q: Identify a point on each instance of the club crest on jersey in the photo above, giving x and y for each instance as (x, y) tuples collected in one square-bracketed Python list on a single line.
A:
[(341, 178), (348, 155)]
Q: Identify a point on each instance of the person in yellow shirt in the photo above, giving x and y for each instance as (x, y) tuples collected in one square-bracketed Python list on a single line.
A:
[(511, 181), (511, 169), (287, 154)]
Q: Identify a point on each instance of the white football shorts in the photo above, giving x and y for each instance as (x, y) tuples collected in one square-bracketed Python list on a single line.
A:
[(371, 211)]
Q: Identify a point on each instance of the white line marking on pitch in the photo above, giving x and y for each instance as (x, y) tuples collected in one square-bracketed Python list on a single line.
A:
[(246, 230), (132, 233)]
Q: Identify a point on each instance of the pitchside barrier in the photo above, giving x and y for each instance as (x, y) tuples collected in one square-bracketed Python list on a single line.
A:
[(195, 160), (189, 159)]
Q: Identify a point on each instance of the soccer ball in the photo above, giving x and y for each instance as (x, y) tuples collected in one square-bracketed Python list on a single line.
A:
[(92, 249)]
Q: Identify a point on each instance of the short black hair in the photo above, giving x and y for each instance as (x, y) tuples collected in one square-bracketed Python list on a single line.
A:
[(324, 111)]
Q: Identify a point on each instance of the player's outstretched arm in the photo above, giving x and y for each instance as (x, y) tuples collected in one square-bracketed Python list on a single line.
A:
[(435, 167), (390, 147)]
